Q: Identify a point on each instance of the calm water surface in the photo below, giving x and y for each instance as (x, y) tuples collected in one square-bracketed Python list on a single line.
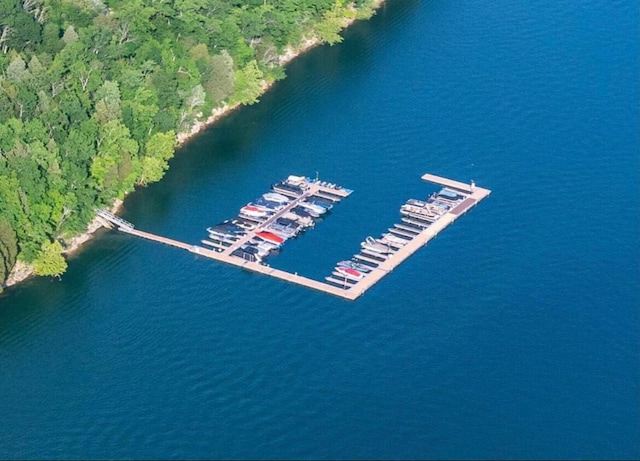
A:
[(514, 334)]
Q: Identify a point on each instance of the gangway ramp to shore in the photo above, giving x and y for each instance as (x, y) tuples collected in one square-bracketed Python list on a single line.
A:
[(113, 219)]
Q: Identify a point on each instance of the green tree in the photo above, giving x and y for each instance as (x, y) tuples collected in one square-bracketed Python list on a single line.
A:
[(92, 92), (8, 249), (221, 82), (158, 150), (329, 28), (17, 69), (50, 260), (248, 84)]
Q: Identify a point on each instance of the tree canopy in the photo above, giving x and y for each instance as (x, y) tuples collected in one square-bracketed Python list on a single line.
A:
[(92, 93)]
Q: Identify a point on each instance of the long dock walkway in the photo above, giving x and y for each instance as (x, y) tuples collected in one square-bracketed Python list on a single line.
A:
[(158, 238), (350, 289), (272, 271), (448, 182)]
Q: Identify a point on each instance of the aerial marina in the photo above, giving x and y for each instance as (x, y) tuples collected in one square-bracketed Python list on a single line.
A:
[(291, 207), (263, 225)]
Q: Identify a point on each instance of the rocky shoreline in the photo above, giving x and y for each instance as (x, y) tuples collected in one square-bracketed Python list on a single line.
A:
[(22, 270)]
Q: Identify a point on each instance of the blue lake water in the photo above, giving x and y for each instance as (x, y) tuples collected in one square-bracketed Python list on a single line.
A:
[(513, 334)]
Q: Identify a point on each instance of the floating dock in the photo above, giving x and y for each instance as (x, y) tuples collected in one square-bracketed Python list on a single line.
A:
[(344, 287)]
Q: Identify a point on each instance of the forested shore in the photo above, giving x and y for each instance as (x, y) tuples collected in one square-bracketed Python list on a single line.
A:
[(94, 95)]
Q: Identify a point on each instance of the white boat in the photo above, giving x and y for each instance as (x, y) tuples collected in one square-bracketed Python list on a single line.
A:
[(281, 231), (315, 208), (253, 211), (305, 221), (266, 208), (275, 197), (296, 180), (392, 244), (263, 246), (419, 203), (372, 256), (394, 239), (349, 273), (221, 236), (373, 245), (428, 212), (354, 265), (267, 205)]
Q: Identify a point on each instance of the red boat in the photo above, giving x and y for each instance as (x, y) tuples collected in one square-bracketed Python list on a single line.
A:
[(350, 273), (253, 211), (270, 236)]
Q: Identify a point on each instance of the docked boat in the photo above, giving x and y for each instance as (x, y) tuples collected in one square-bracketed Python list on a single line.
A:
[(313, 208), (255, 249), (224, 231), (421, 223), (221, 237), (224, 235), (301, 181), (427, 212), (373, 245), (394, 239), (304, 221), (330, 185), (293, 224), (411, 227), (415, 202), (394, 245), (266, 244), (285, 188), (350, 273), (275, 197), (304, 212), (226, 226), (253, 211), (246, 255), (372, 256), (450, 194), (354, 265), (328, 200), (439, 206), (321, 202), (265, 207), (401, 233), (270, 236), (244, 224), (262, 202), (283, 231)]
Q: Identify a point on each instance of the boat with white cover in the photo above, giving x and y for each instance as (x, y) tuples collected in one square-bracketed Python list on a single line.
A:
[(275, 197), (394, 238), (371, 244)]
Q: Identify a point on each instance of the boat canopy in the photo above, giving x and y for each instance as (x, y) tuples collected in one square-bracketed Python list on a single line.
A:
[(448, 193)]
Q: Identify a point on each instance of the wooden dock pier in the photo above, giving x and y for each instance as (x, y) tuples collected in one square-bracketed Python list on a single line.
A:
[(344, 288)]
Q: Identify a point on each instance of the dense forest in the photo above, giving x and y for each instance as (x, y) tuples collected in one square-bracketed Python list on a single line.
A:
[(93, 92)]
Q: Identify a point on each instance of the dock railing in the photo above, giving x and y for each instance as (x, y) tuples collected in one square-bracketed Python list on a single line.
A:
[(113, 219)]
